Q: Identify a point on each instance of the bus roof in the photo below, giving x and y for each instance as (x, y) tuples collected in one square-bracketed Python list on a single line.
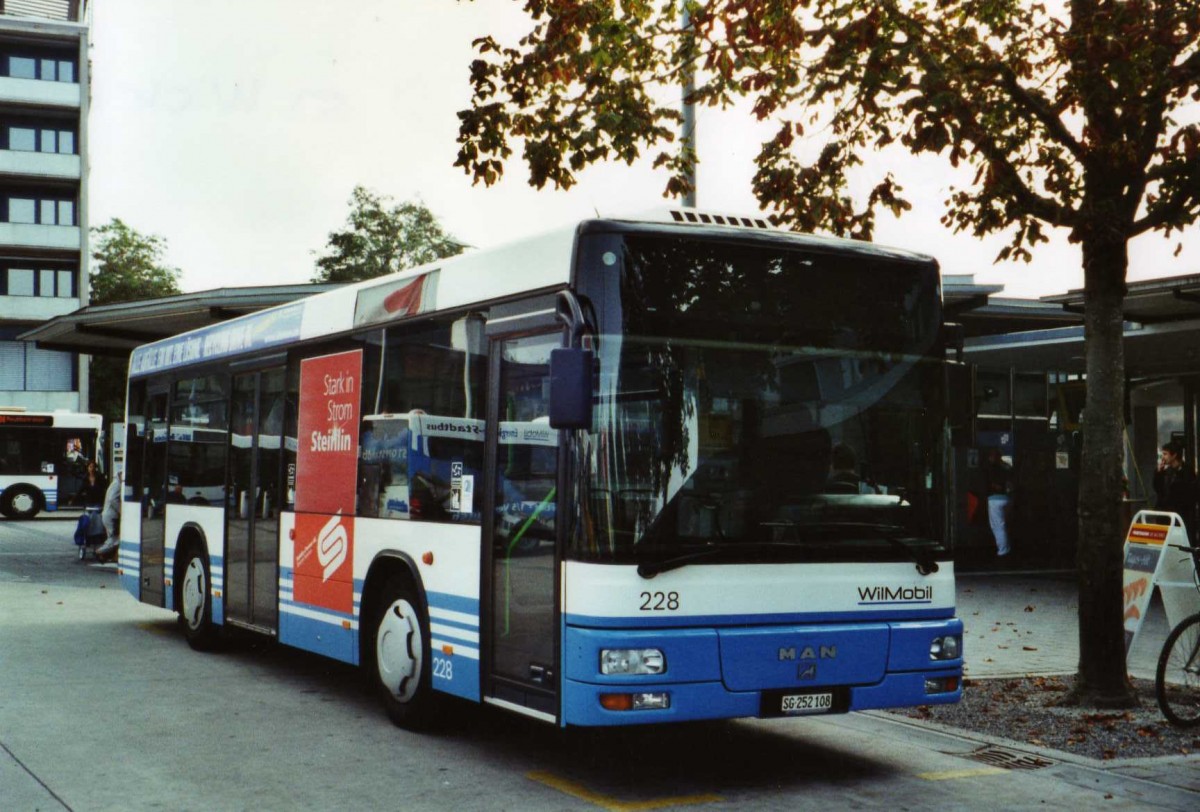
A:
[(539, 263)]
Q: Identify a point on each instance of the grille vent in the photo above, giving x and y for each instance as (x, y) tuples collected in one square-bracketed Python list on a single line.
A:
[(703, 218), (1009, 759)]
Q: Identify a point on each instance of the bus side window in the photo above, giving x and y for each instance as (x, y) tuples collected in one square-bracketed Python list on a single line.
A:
[(422, 450)]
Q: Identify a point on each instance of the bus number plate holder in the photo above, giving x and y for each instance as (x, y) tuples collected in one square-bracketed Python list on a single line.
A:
[(797, 704)]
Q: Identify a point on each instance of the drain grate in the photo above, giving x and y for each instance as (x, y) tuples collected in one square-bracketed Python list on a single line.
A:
[(1009, 759)]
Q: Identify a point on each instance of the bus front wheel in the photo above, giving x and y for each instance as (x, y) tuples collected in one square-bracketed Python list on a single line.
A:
[(399, 660), (21, 502), (195, 601)]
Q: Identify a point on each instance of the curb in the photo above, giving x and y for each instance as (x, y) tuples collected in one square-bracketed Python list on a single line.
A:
[(1057, 756)]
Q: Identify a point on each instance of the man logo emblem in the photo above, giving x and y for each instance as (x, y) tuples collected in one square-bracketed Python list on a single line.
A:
[(807, 671)]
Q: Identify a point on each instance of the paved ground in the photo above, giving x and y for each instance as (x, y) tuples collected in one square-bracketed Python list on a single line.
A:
[(1016, 623), (1028, 623)]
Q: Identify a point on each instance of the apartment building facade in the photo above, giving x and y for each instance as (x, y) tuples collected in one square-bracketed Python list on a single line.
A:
[(43, 195)]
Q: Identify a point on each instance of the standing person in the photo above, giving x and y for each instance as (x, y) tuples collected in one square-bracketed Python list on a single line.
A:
[(999, 479), (91, 490), (109, 516), (1175, 484), (91, 496)]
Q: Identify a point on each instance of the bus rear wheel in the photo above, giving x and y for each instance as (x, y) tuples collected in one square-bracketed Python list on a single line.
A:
[(21, 502), (399, 661), (194, 601)]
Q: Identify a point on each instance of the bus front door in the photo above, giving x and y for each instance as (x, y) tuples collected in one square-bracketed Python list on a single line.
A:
[(252, 500), (154, 500), (523, 652)]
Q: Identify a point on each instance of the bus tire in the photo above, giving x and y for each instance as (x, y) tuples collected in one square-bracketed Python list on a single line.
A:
[(21, 502), (194, 600), (399, 660)]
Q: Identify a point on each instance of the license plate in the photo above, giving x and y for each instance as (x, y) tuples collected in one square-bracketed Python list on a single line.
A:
[(807, 703)]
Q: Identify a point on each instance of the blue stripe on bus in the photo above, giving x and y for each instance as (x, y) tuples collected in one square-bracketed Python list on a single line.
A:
[(453, 603), (330, 638), (457, 642), (458, 675), (906, 613), (455, 624)]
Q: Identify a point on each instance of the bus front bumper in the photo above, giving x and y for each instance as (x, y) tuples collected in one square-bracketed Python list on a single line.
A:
[(587, 705)]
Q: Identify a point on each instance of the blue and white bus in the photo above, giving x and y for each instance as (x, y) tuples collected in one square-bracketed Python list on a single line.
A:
[(641, 470), (43, 458)]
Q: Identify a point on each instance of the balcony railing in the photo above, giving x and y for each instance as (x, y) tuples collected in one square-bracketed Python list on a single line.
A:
[(29, 235), (35, 91), (66, 10), (39, 164)]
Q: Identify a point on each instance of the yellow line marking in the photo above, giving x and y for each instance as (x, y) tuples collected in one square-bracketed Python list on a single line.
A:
[(953, 775), (612, 804)]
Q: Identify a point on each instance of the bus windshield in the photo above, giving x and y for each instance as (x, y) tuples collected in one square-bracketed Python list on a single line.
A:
[(760, 402)]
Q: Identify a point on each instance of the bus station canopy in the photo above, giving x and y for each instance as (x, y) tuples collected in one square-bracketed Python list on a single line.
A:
[(1162, 334), (115, 329)]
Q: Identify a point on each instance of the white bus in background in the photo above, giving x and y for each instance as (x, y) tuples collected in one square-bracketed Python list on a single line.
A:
[(43, 456)]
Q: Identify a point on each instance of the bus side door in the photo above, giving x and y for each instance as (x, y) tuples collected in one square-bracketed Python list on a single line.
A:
[(523, 654), (154, 499)]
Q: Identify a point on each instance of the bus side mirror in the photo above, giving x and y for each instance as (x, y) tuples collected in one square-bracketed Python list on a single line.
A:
[(960, 402), (570, 388)]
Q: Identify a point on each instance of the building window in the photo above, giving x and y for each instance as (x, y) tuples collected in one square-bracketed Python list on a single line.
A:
[(51, 283), (22, 210), (21, 282), (25, 368), (22, 67), (46, 211), (48, 138), (65, 142), (23, 139), (33, 65)]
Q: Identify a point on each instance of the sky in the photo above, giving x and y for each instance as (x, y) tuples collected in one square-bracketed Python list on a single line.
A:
[(236, 131)]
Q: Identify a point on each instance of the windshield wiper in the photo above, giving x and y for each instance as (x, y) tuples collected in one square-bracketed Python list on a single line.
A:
[(921, 557), (925, 563), (648, 569)]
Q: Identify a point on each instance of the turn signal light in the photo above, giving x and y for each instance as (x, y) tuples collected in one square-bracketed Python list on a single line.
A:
[(659, 700), (616, 702), (941, 685)]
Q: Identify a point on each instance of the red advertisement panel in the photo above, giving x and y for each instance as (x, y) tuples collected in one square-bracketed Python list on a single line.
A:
[(327, 456), (323, 569)]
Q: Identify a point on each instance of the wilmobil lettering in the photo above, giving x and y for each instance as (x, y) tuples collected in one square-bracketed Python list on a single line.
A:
[(894, 594)]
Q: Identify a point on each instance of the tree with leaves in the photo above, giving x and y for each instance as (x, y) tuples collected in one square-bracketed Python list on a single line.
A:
[(383, 237), (1068, 116), (127, 266)]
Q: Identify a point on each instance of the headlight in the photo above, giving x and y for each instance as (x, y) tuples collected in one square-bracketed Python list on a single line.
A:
[(632, 661), (945, 648)]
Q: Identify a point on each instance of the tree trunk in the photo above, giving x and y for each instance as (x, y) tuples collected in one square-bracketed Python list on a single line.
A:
[(1102, 679)]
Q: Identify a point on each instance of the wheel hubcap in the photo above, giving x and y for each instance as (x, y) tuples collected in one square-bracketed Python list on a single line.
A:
[(398, 650), (194, 593), (22, 503)]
